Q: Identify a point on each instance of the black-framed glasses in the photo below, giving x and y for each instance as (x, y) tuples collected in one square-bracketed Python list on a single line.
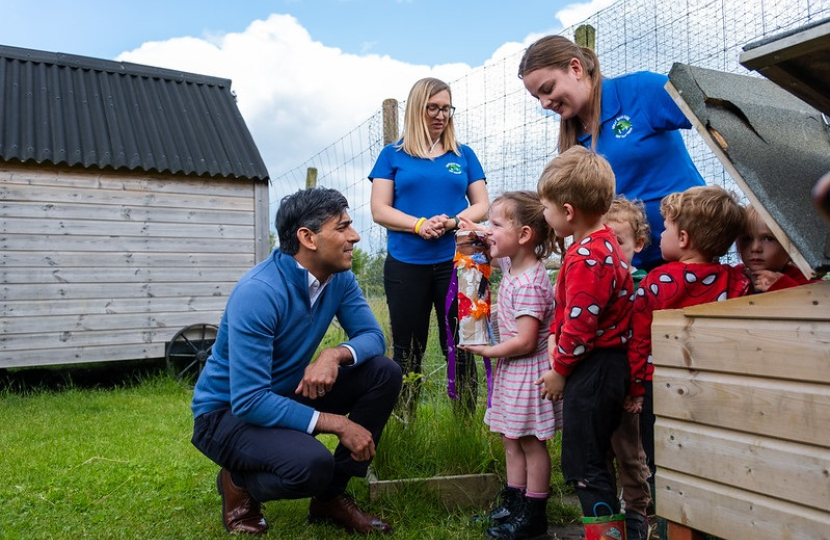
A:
[(433, 110)]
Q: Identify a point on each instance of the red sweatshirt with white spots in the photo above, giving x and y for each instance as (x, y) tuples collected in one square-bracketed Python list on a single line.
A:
[(593, 300), (673, 286)]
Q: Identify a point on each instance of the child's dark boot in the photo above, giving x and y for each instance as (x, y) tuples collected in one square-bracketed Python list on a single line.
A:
[(511, 501), (529, 523)]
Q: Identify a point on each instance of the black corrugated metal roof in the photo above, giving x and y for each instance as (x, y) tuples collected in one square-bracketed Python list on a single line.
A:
[(93, 113)]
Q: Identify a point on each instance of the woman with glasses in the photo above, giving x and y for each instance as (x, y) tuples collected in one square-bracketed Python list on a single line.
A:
[(420, 186)]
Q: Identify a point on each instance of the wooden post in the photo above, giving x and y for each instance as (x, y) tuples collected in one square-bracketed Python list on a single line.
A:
[(682, 532), (311, 177), (586, 36), (390, 121)]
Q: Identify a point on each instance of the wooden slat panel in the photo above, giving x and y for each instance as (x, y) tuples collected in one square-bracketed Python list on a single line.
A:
[(28, 176), (779, 469), (92, 274), (11, 326), (730, 513), (101, 306), (49, 242), (154, 331), (262, 220), (76, 355), (47, 194), (139, 292), (734, 346), (786, 410), (126, 213), (808, 302), (107, 229), (53, 258)]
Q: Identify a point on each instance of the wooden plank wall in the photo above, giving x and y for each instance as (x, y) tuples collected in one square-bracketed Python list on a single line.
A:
[(99, 267), (742, 397)]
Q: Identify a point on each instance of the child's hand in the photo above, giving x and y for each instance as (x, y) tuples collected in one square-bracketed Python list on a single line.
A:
[(465, 223), (553, 385), (480, 350), (763, 279), (633, 404)]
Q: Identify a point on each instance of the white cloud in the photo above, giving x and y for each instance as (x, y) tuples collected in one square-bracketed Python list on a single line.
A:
[(576, 13), (297, 95)]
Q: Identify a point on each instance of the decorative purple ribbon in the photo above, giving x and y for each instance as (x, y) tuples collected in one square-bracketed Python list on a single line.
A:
[(452, 294)]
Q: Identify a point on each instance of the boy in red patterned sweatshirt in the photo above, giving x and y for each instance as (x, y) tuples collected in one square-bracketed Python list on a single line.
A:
[(590, 327), (701, 225)]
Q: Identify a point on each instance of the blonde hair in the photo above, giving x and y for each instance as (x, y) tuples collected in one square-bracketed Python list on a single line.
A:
[(524, 208), (710, 215), (581, 178), (632, 212), (557, 52), (416, 139)]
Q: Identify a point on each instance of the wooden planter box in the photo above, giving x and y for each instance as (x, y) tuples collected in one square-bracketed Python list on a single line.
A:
[(456, 492), (742, 398)]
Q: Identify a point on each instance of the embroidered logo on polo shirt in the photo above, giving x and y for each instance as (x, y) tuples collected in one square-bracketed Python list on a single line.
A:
[(622, 126), (454, 168)]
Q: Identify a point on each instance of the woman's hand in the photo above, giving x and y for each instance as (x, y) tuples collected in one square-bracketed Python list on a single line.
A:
[(433, 227)]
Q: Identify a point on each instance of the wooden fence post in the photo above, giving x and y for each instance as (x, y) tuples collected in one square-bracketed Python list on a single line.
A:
[(390, 121), (311, 177), (586, 36)]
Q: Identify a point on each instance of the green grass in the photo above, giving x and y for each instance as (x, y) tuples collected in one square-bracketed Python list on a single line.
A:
[(102, 463)]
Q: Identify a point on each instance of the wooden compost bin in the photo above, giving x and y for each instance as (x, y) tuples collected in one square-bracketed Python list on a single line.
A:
[(742, 397)]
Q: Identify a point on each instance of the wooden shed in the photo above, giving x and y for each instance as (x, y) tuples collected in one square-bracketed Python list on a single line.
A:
[(132, 199), (742, 387)]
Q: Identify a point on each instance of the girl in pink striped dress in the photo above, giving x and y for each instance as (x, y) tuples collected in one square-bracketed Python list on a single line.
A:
[(519, 239)]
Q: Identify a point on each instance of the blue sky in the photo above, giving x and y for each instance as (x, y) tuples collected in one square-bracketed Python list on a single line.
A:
[(412, 31), (305, 72)]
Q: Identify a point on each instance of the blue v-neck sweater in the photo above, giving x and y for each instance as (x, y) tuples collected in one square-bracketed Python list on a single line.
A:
[(269, 334)]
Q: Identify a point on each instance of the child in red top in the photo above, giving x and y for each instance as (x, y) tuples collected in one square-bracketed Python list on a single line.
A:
[(627, 218), (701, 225), (765, 260), (590, 325)]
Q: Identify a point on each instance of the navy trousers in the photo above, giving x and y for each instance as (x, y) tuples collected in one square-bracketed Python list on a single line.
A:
[(278, 463)]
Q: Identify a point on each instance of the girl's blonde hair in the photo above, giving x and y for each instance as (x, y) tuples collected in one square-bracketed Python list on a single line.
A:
[(416, 139), (632, 212), (710, 215), (524, 208), (557, 52)]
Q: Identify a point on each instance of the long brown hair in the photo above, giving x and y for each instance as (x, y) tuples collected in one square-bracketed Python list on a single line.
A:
[(416, 138), (557, 52), (525, 208)]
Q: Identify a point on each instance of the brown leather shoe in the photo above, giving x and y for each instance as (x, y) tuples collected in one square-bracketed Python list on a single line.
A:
[(343, 512), (240, 513)]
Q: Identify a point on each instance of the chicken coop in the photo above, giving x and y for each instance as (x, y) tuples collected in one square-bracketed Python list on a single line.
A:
[(742, 387)]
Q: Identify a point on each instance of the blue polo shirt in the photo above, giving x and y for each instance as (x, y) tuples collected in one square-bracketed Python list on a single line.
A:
[(640, 139), (426, 188)]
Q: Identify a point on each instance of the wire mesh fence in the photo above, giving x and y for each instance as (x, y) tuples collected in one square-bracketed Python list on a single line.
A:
[(514, 138)]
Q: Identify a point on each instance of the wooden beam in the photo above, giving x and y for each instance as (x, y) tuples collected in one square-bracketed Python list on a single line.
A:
[(682, 532)]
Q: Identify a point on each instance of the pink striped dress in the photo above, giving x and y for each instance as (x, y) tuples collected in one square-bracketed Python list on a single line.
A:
[(517, 410)]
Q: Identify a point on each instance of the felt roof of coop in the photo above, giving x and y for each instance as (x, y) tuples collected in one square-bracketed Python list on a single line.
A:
[(773, 144)]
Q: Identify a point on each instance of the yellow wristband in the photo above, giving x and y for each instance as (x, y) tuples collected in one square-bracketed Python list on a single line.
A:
[(417, 227)]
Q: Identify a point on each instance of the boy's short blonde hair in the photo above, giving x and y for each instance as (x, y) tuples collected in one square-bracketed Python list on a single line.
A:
[(632, 212), (581, 178), (710, 215)]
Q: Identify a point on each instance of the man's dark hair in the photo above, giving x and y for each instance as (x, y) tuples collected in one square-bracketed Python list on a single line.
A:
[(308, 208)]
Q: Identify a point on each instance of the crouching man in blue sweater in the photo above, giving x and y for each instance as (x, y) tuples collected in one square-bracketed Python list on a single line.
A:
[(260, 401)]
